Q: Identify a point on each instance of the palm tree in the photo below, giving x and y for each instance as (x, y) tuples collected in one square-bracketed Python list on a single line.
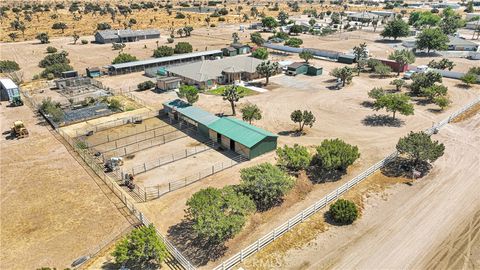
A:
[(232, 94)]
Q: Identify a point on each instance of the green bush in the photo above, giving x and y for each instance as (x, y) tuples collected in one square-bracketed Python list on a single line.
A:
[(145, 85), (294, 158), (84, 41), (218, 214), (343, 211), (183, 47), (114, 104), (140, 248), (265, 184), (52, 110), (8, 66), (124, 58), (335, 155), (163, 51), (51, 49)]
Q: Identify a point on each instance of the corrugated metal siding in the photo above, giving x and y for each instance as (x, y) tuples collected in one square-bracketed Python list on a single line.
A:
[(265, 146)]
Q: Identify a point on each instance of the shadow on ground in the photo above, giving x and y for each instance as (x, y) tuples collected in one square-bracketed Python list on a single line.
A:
[(401, 167), (196, 250), (382, 120)]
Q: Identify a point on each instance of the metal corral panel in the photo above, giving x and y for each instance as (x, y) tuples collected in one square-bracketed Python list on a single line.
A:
[(240, 131)]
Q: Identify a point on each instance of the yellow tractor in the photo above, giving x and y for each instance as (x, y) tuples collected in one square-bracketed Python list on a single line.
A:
[(19, 130)]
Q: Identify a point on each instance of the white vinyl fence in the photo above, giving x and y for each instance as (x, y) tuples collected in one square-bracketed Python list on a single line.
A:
[(320, 204)]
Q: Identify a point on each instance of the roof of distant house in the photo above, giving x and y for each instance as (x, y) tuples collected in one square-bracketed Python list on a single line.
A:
[(455, 41), (297, 65), (113, 34), (212, 69)]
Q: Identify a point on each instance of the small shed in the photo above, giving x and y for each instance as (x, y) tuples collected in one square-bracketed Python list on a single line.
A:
[(241, 137), (93, 72), (9, 90), (346, 58), (314, 71), (168, 83), (180, 110), (297, 68), (229, 51), (69, 74), (241, 48)]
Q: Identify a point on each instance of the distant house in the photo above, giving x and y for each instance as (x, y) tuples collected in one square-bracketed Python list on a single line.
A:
[(93, 72), (473, 25), (241, 48), (125, 35), (446, 5), (303, 68), (460, 44), (363, 17), (229, 51), (207, 74)]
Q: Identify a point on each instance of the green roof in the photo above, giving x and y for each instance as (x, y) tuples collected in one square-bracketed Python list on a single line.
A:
[(196, 114), (240, 131)]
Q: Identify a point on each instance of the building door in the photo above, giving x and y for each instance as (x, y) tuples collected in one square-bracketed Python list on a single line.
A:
[(232, 145), (219, 138)]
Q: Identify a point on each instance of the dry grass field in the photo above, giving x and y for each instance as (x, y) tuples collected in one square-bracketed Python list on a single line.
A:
[(53, 211)]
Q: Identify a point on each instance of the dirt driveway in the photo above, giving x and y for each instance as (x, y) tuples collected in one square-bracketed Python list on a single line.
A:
[(434, 224), (52, 210)]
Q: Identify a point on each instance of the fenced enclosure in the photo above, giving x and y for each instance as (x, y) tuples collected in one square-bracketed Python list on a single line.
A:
[(120, 193), (154, 192), (158, 162), (323, 202)]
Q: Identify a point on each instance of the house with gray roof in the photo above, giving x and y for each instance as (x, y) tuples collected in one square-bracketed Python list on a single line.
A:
[(460, 44), (208, 73), (125, 35)]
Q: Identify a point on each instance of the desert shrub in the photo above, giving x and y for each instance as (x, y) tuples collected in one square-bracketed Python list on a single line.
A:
[(84, 41), (265, 184), (51, 49), (52, 110), (170, 40), (145, 85), (183, 47), (343, 211), (8, 66), (163, 51), (124, 58), (335, 154), (294, 158), (114, 104)]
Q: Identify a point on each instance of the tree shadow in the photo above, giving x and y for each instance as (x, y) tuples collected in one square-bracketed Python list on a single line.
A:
[(427, 54), (197, 250), (402, 167), (319, 175), (435, 111), (367, 104), (382, 121), (291, 133), (388, 41), (463, 86)]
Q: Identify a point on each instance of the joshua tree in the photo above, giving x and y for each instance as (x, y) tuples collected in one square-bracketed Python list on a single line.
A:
[(233, 94)]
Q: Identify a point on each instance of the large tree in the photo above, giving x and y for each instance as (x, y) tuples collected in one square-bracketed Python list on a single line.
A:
[(345, 74), (265, 184), (424, 80), (402, 57), (445, 63), (451, 21), (418, 147), (293, 158), (60, 25), (257, 38), (189, 93), (293, 42), (232, 94), (305, 118), (267, 69), (269, 22), (361, 53), (124, 58), (282, 17), (251, 112), (394, 103), (163, 51), (140, 248), (260, 53), (218, 214), (395, 29), (43, 37), (183, 47), (432, 39), (335, 155)]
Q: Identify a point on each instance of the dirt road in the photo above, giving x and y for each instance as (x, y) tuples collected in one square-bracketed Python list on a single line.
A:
[(434, 224)]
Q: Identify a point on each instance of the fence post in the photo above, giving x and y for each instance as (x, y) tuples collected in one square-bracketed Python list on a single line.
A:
[(158, 191), (144, 167)]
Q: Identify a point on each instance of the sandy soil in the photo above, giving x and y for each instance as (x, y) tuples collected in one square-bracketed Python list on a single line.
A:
[(434, 224), (339, 114), (52, 210)]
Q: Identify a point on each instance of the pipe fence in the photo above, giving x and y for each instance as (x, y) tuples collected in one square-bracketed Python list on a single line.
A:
[(154, 192), (120, 193), (167, 159), (322, 203)]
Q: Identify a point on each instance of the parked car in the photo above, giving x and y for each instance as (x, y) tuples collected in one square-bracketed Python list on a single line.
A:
[(408, 74)]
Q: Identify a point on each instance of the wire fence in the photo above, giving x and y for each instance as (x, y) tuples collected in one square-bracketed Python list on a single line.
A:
[(167, 159), (322, 203), (121, 193)]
